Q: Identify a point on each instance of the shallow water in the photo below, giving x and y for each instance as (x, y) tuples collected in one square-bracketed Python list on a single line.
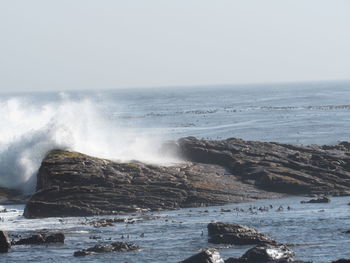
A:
[(175, 235)]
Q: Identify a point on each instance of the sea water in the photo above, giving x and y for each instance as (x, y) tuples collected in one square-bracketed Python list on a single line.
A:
[(316, 230), (131, 124)]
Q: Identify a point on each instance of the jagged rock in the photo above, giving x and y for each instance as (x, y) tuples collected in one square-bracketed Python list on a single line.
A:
[(215, 173), (4, 242), (39, 239), (74, 184), (206, 256), (225, 233), (114, 247), (277, 167), (318, 200)]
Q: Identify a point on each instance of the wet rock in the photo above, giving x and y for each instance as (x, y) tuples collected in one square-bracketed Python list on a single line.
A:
[(32, 240), (265, 254), (55, 238), (342, 260), (276, 167), (39, 239), (4, 242), (114, 247), (206, 256), (225, 233), (74, 184), (215, 173), (323, 199)]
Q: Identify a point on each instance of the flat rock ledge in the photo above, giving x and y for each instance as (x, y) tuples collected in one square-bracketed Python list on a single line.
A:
[(213, 173)]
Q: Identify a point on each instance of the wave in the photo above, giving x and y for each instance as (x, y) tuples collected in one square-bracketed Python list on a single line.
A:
[(29, 130)]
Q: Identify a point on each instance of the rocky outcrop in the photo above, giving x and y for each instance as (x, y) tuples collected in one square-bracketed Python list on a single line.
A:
[(225, 233), (114, 247), (318, 200), (4, 242), (74, 184), (277, 167), (205, 256), (215, 173), (39, 239)]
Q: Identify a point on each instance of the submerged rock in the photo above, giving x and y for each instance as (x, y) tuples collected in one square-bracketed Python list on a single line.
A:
[(206, 256), (225, 233), (4, 242), (114, 247), (318, 200)]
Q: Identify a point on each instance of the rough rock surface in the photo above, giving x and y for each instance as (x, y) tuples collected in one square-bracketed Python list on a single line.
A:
[(225, 233), (277, 167), (216, 172), (114, 247), (206, 256), (74, 184), (265, 254), (39, 239), (4, 242)]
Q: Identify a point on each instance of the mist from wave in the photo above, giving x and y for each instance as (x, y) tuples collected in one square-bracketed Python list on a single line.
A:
[(29, 130)]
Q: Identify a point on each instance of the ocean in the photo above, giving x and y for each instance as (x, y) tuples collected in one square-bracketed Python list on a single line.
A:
[(131, 124)]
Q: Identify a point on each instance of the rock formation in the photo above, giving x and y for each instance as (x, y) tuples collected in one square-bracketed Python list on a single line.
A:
[(214, 173), (225, 233)]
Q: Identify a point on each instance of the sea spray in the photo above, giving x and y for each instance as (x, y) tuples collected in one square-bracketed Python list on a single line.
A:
[(30, 129)]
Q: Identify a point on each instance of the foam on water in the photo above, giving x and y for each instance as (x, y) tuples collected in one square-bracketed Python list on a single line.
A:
[(29, 130)]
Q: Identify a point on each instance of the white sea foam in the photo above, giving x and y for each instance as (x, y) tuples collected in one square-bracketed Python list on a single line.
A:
[(29, 130)]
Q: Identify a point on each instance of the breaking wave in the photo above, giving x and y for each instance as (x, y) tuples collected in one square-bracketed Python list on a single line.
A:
[(29, 130)]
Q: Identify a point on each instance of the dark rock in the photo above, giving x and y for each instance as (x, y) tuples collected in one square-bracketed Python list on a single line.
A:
[(277, 167), (347, 232), (32, 240), (39, 239), (74, 184), (114, 247), (224, 233), (318, 200), (265, 254), (4, 242), (342, 260), (220, 172), (206, 256), (55, 238)]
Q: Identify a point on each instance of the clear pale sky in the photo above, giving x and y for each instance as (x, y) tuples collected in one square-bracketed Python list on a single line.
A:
[(85, 44)]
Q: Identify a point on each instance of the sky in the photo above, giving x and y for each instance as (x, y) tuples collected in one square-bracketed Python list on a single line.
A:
[(103, 44)]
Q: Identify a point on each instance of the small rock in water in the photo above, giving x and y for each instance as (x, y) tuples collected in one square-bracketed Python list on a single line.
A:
[(265, 254), (206, 256), (318, 200), (225, 233), (4, 242), (114, 247), (342, 260), (38, 239)]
